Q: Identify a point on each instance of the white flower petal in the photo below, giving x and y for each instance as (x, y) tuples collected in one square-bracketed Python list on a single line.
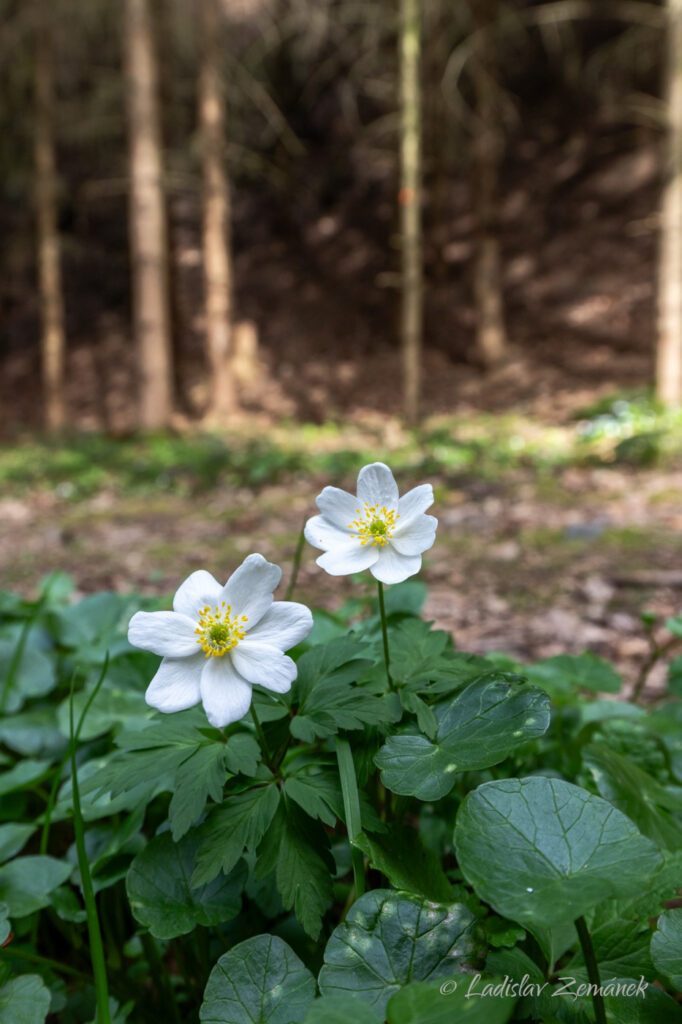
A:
[(263, 665), (249, 589), (338, 506), (416, 537), (414, 502), (392, 567), (322, 534), (283, 626), (348, 558), (167, 633), (196, 592), (175, 687), (377, 486), (226, 696)]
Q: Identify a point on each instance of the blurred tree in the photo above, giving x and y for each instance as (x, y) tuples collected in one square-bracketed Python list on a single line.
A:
[(217, 257), (669, 350), (410, 206), (486, 154), (147, 215), (49, 272)]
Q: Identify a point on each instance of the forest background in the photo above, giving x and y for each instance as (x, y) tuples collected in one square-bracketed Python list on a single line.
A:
[(247, 242)]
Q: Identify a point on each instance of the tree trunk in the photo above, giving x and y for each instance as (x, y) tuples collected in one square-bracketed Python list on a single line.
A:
[(669, 349), (410, 206), (50, 285), (149, 251), (216, 215), (491, 338)]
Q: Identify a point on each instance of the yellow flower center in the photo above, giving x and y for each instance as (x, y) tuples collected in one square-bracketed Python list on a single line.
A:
[(219, 630), (374, 525)]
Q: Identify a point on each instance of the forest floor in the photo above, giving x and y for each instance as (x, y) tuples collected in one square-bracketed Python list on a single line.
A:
[(533, 556)]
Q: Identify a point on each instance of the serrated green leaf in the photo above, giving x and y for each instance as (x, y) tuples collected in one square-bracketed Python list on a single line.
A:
[(319, 795), (634, 792), (390, 939), (242, 754), (424, 1003), (26, 883), (477, 729), (201, 776), (408, 865), (342, 659), (666, 946), (297, 849), (24, 1000), (240, 822), (160, 894), (544, 851), (426, 718), (259, 981)]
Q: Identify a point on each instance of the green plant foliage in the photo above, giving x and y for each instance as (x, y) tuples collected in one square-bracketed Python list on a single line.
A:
[(425, 1003), (666, 946), (479, 728), (544, 851), (175, 907), (260, 981), (390, 939), (24, 1000)]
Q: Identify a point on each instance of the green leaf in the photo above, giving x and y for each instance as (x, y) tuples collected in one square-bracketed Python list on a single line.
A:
[(342, 1010), (407, 863), (24, 1000), (26, 883), (390, 939), (13, 837), (160, 894), (563, 674), (240, 822), (259, 981), (319, 795), (201, 776), (5, 926), (34, 675), (242, 754), (297, 848), (479, 728), (24, 775), (113, 706), (674, 625), (542, 851), (424, 1003), (634, 792), (666, 946), (405, 598), (675, 676), (327, 698), (622, 950), (33, 733)]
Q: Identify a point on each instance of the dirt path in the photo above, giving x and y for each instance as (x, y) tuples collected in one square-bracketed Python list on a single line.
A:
[(529, 566)]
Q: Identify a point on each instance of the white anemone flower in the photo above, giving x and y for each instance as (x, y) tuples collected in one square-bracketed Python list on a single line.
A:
[(219, 642), (377, 530)]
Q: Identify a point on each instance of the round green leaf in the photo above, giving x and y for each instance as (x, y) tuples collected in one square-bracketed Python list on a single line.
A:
[(543, 851), (24, 1000), (666, 946), (34, 675), (13, 837), (341, 1010), (160, 894), (445, 1003), (479, 728), (26, 883), (391, 938), (260, 981)]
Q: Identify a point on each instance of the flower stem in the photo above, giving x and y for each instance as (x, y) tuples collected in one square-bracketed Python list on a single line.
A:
[(96, 948), (298, 555), (592, 969), (384, 633), (262, 740)]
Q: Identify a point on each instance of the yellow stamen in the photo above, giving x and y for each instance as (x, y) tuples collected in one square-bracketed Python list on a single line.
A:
[(374, 525), (218, 630)]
